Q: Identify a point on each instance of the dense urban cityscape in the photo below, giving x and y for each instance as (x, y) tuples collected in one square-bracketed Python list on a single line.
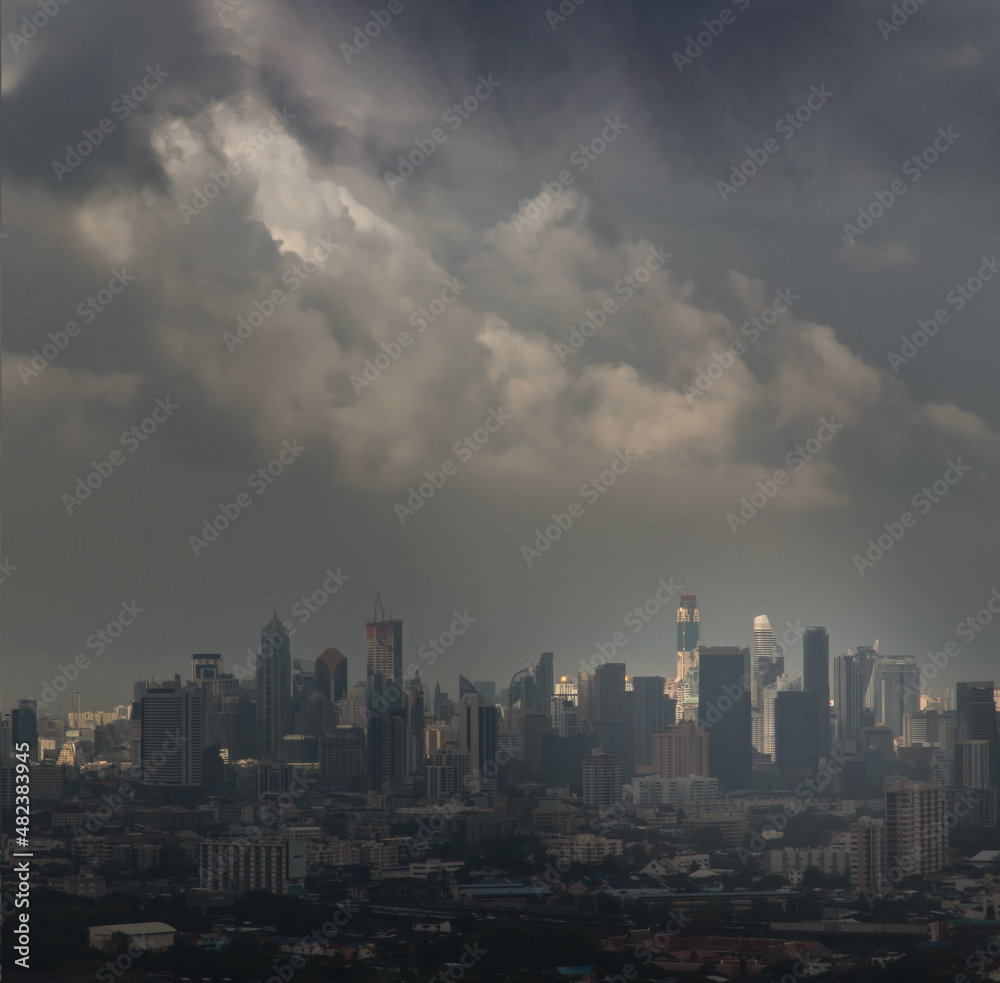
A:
[(733, 816)]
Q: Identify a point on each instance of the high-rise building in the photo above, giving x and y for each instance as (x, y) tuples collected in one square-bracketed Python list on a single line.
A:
[(916, 831), (847, 697), (171, 736), (478, 729), (894, 690), (586, 702), (765, 646), (205, 667), (545, 678), (448, 773), (24, 727), (869, 863), (274, 688), (342, 754), (681, 751), (975, 764), (74, 704), (816, 679), (564, 716), (384, 648), (602, 779), (688, 624), (796, 735), (652, 713), (977, 721), (487, 689), (611, 701), (724, 710), (330, 673)]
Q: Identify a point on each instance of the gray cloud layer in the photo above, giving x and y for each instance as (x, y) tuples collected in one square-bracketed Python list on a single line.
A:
[(316, 172)]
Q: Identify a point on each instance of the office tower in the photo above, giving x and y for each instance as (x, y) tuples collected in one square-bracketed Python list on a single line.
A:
[(847, 697), (274, 688), (205, 667), (816, 679), (449, 773), (74, 705), (796, 734), (783, 683), (487, 689), (724, 710), (6, 740), (478, 730), (681, 750), (385, 734), (171, 736), (916, 831), (384, 647), (869, 864), (878, 742), (523, 694), (351, 709), (586, 702), (564, 716), (652, 713), (342, 754), (531, 730), (894, 690), (24, 727), (413, 704), (610, 686), (765, 646), (865, 656), (330, 673), (602, 779), (920, 729), (975, 764), (688, 623), (769, 668), (545, 679), (977, 720), (567, 689)]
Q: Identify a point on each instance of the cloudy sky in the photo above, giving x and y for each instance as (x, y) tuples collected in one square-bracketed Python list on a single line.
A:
[(808, 153)]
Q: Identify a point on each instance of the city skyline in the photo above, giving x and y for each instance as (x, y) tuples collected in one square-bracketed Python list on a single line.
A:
[(565, 421)]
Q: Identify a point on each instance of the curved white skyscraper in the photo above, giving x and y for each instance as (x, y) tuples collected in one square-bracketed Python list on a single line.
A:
[(765, 646)]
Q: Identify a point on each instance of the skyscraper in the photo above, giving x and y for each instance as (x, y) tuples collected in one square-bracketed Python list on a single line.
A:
[(274, 688), (847, 697), (894, 690), (688, 624), (602, 779), (916, 831), (384, 646), (545, 679), (478, 727), (386, 716), (765, 646), (24, 726), (586, 703), (977, 721), (171, 736), (330, 673), (796, 734), (681, 751), (724, 710), (869, 863), (652, 713), (816, 680), (610, 686), (975, 764)]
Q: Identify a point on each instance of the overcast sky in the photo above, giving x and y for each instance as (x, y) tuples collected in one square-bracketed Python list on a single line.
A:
[(319, 228)]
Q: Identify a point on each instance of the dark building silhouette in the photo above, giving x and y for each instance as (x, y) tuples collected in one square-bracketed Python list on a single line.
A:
[(724, 711), (796, 733), (652, 712), (977, 721), (816, 679), (274, 688), (24, 726), (610, 692)]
